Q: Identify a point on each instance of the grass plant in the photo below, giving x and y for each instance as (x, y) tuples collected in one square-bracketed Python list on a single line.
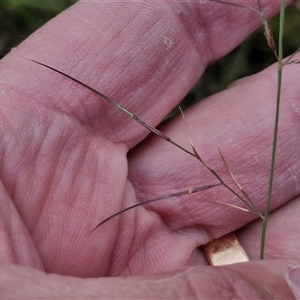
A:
[(249, 205)]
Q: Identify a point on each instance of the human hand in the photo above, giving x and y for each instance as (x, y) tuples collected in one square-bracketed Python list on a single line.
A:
[(64, 166)]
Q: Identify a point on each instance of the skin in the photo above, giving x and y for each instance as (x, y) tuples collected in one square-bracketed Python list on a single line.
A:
[(64, 158)]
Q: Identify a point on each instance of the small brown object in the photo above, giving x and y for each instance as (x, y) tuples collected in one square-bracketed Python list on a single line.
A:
[(225, 250)]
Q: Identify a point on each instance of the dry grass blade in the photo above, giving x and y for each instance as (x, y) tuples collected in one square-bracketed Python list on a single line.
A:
[(249, 202), (185, 192), (233, 206), (120, 107), (290, 61), (196, 154)]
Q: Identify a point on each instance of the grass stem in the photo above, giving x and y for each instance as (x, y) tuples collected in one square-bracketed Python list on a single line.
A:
[(275, 133)]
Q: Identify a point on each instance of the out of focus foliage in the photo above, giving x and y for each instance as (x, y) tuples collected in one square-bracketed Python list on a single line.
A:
[(19, 18)]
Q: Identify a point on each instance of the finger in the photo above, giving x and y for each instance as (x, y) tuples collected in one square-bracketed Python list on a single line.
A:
[(146, 57), (253, 280), (240, 122)]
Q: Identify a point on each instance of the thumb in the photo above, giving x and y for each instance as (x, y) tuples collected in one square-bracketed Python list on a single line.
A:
[(256, 279)]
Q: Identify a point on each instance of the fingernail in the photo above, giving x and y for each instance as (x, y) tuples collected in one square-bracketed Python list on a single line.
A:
[(294, 281)]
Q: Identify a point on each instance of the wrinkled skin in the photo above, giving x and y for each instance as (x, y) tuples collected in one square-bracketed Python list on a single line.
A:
[(64, 157)]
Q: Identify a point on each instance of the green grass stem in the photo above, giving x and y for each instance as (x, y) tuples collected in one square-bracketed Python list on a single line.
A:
[(275, 133)]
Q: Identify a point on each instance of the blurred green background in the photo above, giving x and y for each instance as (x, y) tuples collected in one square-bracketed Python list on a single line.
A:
[(19, 18)]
